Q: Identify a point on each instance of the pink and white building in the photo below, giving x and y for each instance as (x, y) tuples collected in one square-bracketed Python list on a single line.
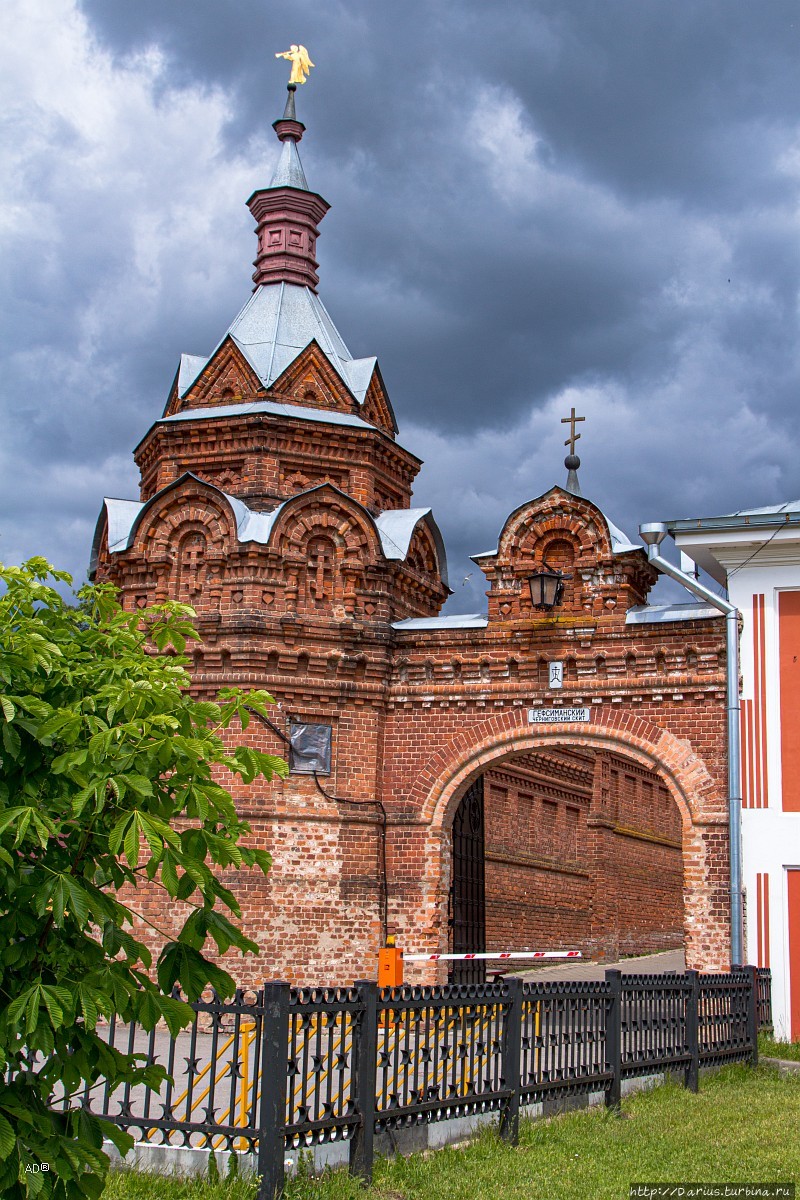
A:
[(755, 554)]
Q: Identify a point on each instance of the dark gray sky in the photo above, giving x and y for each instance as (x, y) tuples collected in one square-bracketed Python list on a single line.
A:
[(534, 205)]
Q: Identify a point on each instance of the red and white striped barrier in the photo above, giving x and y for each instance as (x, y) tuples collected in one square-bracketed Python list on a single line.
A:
[(503, 954)]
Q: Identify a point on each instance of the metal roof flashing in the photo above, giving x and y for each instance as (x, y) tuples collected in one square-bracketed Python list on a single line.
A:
[(457, 621), (326, 416), (657, 614), (717, 544), (620, 542), (299, 412), (396, 528), (772, 517)]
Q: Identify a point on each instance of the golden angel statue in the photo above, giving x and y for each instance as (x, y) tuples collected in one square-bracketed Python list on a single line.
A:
[(301, 63)]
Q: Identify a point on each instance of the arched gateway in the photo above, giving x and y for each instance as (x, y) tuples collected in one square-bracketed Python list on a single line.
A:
[(276, 499), (626, 860)]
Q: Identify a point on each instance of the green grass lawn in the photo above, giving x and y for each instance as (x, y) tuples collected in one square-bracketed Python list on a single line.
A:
[(742, 1126), (769, 1048)]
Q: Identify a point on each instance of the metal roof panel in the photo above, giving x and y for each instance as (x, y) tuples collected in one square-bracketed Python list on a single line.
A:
[(396, 527), (121, 517), (620, 542), (289, 170), (656, 614), (359, 374), (275, 325), (278, 322), (458, 621), (742, 518), (301, 412), (190, 367)]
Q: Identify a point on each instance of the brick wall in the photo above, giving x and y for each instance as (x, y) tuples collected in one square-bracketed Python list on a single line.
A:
[(418, 713), (562, 874), (538, 891)]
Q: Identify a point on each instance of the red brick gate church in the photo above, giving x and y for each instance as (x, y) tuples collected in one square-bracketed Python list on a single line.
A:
[(550, 773)]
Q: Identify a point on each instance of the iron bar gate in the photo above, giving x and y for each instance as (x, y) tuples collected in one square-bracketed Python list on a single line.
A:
[(468, 887)]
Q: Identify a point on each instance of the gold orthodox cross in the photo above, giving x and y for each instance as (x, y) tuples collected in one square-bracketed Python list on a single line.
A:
[(572, 421)]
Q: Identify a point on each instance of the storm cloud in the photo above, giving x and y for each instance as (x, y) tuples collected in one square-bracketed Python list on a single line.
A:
[(534, 206)]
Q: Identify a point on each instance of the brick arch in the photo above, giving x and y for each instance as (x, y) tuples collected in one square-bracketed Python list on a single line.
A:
[(456, 764), (557, 543), (423, 554), (557, 549), (166, 523), (697, 796), (555, 516), (326, 512)]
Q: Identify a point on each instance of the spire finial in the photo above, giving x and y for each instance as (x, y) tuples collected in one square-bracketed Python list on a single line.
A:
[(301, 63), (289, 113), (572, 462), (287, 212), (288, 128)]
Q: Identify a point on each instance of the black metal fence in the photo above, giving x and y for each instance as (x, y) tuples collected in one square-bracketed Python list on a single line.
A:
[(287, 1068)]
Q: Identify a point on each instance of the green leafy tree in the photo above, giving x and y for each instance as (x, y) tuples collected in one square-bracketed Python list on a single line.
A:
[(109, 776)]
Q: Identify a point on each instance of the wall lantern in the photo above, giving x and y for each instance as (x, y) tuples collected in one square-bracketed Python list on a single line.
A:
[(547, 587)]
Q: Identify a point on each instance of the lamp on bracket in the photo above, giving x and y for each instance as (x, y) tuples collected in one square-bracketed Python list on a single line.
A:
[(547, 587)]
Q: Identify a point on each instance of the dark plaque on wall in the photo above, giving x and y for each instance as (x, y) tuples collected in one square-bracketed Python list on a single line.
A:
[(309, 749)]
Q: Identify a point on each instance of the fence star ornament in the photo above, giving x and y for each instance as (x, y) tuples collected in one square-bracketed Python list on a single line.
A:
[(301, 63)]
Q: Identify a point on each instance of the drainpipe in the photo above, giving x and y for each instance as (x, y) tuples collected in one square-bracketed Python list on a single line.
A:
[(653, 535)]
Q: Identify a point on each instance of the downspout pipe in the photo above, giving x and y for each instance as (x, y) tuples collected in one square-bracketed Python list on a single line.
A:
[(653, 535)]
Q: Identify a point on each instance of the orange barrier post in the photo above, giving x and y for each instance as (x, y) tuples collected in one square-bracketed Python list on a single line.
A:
[(390, 964)]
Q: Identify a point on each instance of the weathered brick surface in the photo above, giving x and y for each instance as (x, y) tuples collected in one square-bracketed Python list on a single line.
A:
[(418, 714), (583, 850)]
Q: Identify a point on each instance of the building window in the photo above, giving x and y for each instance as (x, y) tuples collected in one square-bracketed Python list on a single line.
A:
[(309, 749)]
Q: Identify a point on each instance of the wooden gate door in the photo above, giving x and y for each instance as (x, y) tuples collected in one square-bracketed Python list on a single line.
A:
[(467, 891)]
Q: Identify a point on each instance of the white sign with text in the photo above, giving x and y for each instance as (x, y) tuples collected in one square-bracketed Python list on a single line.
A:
[(543, 716)]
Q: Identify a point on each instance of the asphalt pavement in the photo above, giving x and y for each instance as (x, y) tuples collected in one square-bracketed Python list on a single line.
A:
[(647, 964)]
